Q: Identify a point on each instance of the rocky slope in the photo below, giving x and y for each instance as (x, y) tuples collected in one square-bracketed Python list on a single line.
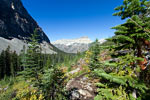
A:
[(74, 45), (16, 23), (80, 86), (17, 45)]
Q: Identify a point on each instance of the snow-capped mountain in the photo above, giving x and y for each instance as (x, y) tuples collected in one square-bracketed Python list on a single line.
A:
[(74, 45), (82, 40)]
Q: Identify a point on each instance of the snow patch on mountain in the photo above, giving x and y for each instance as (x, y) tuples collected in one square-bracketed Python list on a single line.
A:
[(74, 45), (67, 42)]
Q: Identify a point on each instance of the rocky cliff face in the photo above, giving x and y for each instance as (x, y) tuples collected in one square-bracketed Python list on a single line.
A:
[(16, 26), (15, 22)]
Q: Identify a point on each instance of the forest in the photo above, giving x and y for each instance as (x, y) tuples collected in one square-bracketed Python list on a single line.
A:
[(118, 69)]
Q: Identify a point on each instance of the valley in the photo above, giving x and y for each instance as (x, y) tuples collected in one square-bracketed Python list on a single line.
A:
[(113, 68)]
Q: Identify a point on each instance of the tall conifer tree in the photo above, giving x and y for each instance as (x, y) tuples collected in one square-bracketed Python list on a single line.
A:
[(31, 59), (134, 34)]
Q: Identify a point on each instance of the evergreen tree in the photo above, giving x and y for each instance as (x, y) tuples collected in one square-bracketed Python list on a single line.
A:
[(9, 64), (134, 34), (2, 65), (129, 38), (95, 63), (132, 7), (52, 84), (30, 60), (14, 63), (131, 41), (48, 63), (23, 58), (8, 61)]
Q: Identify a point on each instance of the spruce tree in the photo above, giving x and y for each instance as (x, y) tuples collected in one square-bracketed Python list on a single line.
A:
[(14, 63), (30, 60), (95, 63), (129, 38), (8, 61), (129, 49), (2, 65), (134, 34), (132, 7)]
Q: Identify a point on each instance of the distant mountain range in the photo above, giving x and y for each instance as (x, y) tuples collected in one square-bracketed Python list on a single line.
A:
[(74, 45)]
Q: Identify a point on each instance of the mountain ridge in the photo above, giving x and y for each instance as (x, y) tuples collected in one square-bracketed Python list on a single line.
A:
[(16, 22), (16, 27), (75, 45)]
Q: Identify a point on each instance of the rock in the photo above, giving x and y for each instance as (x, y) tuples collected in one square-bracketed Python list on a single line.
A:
[(83, 86), (114, 60), (75, 95), (73, 72), (15, 21), (16, 26), (5, 88), (69, 84), (134, 94), (89, 88), (84, 93), (84, 79)]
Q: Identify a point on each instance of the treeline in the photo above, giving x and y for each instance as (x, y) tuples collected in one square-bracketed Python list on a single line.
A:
[(11, 62)]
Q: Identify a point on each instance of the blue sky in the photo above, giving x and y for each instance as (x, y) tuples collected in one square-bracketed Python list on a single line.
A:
[(66, 19)]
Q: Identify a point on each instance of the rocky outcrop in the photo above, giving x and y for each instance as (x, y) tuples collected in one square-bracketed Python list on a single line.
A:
[(16, 26), (81, 88), (15, 22)]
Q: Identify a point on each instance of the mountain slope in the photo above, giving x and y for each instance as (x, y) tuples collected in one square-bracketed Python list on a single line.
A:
[(74, 45), (16, 22), (16, 26)]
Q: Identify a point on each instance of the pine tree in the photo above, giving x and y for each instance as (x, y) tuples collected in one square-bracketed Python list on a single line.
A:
[(48, 63), (8, 61), (23, 58), (134, 34), (2, 65), (95, 63), (132, 7), (131, 40), (30, 60), (52, 84), (14, 63)]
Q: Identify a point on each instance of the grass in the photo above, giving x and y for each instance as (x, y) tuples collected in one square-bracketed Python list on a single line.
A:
[(9, 85)]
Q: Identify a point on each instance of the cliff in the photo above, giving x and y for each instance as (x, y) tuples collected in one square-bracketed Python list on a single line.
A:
[(15, 22)]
